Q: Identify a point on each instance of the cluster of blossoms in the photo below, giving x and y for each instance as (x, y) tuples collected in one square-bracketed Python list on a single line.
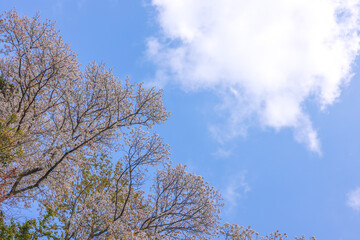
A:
[(236, 232)]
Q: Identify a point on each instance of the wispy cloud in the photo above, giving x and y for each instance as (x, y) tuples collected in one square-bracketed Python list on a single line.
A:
[(266, 58), (80, 3), (353, 199), (58, 6), (222, 153), (235, 189)]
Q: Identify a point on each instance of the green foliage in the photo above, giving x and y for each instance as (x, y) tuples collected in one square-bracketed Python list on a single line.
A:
[(2, 84), (6, 88), (33, 229), (9, 138)]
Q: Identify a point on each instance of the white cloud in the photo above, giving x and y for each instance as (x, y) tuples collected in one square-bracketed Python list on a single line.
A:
[(222, 153), (235, 189), (353, 200), (80, 3), (268, 57)]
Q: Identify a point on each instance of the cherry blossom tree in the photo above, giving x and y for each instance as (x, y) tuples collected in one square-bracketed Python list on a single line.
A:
[(108, 202), (183, 206), (63, 113), (237, 232), (68, 119)]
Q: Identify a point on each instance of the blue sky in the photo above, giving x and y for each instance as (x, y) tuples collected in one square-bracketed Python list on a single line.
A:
[(264, 97)]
